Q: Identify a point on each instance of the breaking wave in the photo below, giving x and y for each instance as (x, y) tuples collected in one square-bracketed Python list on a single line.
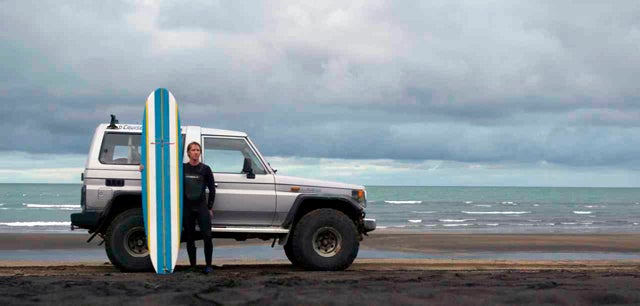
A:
[(403, 202), (36, 223), (496, 212), (53, 206)]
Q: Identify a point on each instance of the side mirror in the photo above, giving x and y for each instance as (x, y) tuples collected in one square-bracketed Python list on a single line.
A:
[(246, 168), (274, 170)]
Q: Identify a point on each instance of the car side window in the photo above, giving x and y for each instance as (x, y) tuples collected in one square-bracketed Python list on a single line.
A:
[(120, 149), (226, 155)]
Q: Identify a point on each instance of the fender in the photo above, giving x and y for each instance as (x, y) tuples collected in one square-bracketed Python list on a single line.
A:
[(103, 218), (352, 204)]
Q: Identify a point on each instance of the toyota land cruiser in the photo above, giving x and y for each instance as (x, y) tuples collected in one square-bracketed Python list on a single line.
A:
[(319, 224)]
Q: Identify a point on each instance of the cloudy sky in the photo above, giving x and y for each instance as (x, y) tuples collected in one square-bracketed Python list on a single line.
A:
[(499, 93)]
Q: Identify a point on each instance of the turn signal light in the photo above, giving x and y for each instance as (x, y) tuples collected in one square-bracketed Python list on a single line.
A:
[(359, 195)]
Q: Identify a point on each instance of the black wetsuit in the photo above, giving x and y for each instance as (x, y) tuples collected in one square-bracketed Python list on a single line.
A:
[(196, 208)]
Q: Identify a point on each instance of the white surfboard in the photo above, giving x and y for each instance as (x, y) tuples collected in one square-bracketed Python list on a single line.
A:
[(162, 179)]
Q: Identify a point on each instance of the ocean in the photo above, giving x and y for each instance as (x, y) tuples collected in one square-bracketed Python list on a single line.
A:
[(45, 208)]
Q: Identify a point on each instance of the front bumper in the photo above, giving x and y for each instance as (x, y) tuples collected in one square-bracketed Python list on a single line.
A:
[(87, 220), (369, 225)]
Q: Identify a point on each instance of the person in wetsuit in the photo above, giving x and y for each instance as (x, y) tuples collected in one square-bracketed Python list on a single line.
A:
[(196, 206)]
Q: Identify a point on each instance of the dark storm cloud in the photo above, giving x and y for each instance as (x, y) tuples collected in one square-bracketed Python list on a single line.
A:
[(473, 82)]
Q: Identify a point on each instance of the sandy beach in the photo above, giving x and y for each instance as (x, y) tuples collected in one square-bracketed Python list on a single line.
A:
[(445, 280)]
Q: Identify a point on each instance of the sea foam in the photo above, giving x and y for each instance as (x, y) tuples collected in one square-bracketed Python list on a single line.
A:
[(36, 223), (582, 212), (53, 206), (403, 202), (496, 212)]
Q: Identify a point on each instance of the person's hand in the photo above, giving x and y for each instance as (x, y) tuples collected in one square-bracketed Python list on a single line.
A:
[(141, 168), (211, 213)]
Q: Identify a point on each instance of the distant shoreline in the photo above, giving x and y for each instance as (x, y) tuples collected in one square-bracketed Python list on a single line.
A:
[(567, 187), (408, 186), (392, 240), (80, 183), (537, 271)]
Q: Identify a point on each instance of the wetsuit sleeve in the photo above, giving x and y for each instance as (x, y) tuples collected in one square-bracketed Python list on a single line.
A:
[(211, 185)]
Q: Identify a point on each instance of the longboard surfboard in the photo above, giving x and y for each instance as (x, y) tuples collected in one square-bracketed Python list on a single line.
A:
[(162, 179)]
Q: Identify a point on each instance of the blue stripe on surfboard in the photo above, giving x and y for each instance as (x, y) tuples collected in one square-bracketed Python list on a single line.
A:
[(159, 180)]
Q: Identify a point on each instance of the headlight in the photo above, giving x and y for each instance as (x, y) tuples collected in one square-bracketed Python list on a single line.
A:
[(360, 195)]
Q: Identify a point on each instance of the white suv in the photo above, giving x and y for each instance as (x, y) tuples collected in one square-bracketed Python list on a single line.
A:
[(320, 224)]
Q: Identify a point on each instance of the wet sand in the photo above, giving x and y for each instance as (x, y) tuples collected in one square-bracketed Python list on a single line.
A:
[(379, 281)]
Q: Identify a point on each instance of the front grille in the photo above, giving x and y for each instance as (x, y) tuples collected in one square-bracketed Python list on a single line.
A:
[(114, 182)]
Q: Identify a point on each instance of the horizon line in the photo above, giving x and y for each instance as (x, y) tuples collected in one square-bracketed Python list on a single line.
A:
[(437, 186)]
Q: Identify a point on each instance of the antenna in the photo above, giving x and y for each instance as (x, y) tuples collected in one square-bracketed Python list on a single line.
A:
[(113, 123)]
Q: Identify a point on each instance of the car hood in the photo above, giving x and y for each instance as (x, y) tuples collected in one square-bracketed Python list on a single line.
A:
[(291, 180)]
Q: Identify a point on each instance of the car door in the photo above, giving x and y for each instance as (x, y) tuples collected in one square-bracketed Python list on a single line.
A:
[(241, 199)]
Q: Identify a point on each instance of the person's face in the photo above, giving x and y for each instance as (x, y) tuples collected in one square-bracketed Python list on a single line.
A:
[(194, 152)]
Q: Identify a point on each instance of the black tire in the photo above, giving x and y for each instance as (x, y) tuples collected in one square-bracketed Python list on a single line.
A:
[(288, 251), (325, 239), (126, 242)]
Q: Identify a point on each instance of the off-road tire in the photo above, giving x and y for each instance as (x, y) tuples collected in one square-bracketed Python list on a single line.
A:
[(288, 251), (325, 239), (126, 228)]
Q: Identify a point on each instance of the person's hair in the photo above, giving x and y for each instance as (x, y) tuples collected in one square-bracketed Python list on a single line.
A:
[(194, 144)]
